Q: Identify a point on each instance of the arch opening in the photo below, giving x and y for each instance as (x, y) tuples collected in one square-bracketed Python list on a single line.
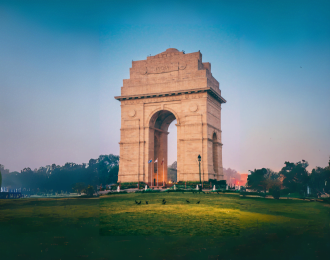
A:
[(158, 147)]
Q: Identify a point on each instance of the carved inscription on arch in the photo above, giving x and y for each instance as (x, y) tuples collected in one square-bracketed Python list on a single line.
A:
[(163, 68)]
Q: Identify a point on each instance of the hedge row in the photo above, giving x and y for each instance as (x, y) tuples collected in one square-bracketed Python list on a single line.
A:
[(128, 185), (147, 191), (121, 192), (206, 185)]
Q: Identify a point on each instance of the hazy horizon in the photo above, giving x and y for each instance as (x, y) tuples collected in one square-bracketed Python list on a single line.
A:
[(62, 63)]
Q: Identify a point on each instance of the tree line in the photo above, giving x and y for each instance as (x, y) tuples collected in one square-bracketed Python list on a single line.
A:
[(55, 178), (292, 178)]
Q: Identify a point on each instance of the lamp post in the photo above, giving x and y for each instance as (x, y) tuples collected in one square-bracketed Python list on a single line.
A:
[(200, 176)]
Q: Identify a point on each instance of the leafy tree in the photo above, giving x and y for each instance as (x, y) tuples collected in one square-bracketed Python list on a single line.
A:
[(295, 176), (3, 170), (274, 185), (319, 181), (263, 180), (257, 180), (275, 191), (327, 178), (57, 178), (79, 187), (113, 174)]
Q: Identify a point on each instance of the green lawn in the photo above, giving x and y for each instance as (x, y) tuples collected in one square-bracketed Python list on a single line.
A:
[(119, 215), (222, 226)]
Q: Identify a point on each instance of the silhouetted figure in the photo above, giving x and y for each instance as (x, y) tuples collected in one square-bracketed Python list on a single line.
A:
[(188, 201), (198, 202), (164, 202), (136, 202), (147, 202), (139, 202)]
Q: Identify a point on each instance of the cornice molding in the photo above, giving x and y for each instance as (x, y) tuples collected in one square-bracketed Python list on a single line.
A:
[(211, 91)]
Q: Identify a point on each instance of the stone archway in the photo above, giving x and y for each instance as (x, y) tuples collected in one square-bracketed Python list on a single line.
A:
[(168, 86)]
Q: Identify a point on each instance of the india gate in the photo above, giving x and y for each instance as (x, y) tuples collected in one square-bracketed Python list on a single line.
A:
[(170, 86)]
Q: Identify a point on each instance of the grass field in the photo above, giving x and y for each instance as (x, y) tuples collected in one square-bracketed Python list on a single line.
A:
[(119, 215), (222, 226)]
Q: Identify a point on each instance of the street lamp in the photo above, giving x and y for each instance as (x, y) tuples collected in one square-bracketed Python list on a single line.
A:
[(199, 161)]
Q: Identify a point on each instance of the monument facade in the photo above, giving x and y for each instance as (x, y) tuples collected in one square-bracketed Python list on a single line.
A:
[(168, 86)]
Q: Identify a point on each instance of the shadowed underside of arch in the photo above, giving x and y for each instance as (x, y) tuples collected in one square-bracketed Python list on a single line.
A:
[(162, 120)]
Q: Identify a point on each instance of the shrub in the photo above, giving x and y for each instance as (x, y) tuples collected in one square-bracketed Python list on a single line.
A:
[(151, 191), (147, 191), (188, 183)]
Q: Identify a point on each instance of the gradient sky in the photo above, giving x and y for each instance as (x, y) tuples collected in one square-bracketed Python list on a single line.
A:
[(62, 63)]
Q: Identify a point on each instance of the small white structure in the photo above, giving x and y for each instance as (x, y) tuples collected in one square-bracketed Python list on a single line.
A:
[(308, 190), (118, 189), (197, 188), (174, 187), (214, 187), (146, 187), (227, 187)]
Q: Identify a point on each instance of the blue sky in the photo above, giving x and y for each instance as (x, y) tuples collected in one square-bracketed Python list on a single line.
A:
[(62, 62)]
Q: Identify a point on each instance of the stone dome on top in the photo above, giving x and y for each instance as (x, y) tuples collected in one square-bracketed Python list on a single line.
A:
[(171, 50)]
